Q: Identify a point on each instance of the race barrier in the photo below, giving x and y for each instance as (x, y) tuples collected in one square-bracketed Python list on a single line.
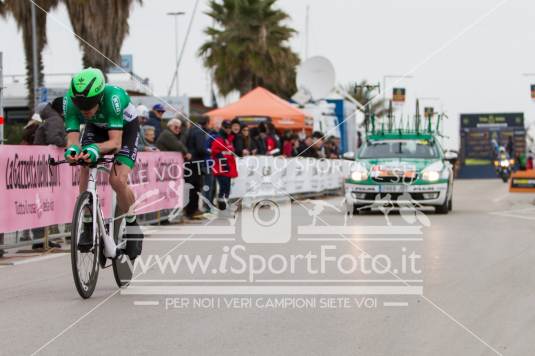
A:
[(265, 176), (34, 194), (522, 182)]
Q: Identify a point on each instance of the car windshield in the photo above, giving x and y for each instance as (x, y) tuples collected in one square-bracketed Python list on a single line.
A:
[(400, 149)]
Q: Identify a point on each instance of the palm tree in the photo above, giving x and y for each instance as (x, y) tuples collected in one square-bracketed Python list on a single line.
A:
[(248, 47), (21, 12), (102, 24)]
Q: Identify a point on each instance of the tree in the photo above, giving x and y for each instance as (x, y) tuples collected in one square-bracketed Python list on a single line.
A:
[(102, 24), (21, 12), (248, 47)]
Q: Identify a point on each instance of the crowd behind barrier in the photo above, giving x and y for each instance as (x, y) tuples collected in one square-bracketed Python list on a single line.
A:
[(36, 195)]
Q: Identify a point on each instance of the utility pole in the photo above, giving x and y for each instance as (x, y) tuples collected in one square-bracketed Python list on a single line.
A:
[(307, 29), (34, 60), (176, 16)]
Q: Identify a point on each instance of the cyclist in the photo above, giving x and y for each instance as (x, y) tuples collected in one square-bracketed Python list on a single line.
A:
[(111, 128)]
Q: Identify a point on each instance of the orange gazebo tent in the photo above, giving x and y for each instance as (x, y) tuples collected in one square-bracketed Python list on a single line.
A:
[(261, 102)]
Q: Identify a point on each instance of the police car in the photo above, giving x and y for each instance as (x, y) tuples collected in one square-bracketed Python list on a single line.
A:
[(403, 168)]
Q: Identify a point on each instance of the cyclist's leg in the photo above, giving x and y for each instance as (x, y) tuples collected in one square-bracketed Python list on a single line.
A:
[(119, 183), (125, 160), (92, 134), (124, 163)]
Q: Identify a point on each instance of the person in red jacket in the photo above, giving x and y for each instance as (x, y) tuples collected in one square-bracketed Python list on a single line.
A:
[(224, 163)]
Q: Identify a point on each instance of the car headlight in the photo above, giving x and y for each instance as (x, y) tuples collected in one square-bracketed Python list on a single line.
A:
[(433, 172), (359, 173), (431, 176)]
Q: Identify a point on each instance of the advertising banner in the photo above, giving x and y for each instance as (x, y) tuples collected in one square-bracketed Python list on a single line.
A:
[(33, 194)]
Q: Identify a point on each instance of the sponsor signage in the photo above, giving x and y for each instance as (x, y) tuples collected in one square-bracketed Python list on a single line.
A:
[(35, 194), (398, 95), (429, 112), (478, 131)]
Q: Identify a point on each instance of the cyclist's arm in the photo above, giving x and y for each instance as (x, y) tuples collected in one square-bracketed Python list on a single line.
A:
[(73, 138), (113, 145)]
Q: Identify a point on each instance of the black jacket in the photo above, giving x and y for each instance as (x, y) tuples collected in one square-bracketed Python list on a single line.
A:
[(52, 130), (168, 141), (196, 143), (240, 144)]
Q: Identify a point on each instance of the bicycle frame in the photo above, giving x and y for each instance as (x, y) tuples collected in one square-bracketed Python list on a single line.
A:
[(110, 248)]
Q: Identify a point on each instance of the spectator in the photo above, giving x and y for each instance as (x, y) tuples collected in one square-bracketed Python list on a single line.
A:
[(259, 136), (290, 145), (272, 132), (224, 164), (196, 145), (331, 148), (52, 130), (311, 146), (155, 119), (28, 133), (142, 115), (208, 180), (168, 139), (235, 129), (244, 144), (268, 139), (317, 138), (147, 141)]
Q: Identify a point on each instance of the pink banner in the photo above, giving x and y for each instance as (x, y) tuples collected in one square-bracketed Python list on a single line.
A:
[(32, 194)]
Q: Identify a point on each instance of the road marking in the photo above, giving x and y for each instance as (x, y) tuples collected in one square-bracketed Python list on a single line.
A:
[(395, 304), (146, 302), (381, 239), (359, 230), (189, 230), (49, 256)]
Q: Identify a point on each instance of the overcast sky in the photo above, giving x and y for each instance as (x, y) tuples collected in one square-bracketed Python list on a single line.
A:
[(481, 71)]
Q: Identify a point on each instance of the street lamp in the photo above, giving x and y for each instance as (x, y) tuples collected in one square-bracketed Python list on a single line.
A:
[(34, 58), (176, 16)]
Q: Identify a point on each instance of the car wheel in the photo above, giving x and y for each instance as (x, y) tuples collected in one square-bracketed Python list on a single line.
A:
[(450, 204), (444, 208)]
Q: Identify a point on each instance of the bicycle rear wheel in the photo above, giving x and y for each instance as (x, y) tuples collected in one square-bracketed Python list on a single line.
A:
[(84, 264), (123, 268)]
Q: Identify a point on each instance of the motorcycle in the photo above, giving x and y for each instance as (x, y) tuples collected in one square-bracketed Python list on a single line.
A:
[(504, 167)]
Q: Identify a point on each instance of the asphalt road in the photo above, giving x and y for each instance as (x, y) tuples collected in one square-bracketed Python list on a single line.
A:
[(478, 295)]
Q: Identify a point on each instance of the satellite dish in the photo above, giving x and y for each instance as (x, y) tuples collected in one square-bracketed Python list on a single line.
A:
[(316, 77)]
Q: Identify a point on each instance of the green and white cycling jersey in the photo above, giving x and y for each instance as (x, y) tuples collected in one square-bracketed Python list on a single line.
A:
[(115, 110)]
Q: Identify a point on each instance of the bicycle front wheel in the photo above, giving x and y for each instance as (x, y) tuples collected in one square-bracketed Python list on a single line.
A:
[(84, 259)]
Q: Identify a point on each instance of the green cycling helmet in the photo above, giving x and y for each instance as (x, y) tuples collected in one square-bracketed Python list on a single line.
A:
[(87, 88)]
